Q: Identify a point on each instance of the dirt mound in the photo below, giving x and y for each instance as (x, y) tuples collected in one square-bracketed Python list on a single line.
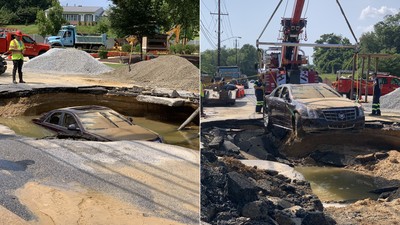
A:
[(391, 100), (367, 212), (66, 61), (163, 72)]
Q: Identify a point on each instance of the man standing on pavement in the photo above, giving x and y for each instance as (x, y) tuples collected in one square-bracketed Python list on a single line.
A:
[(259, 92), (17, 48), (376, 106)]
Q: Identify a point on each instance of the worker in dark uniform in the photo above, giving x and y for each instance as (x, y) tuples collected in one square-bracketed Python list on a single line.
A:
[(376, 106), (259, 92)]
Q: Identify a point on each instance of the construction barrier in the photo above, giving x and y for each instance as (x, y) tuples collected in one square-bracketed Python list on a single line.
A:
[(240, 91)]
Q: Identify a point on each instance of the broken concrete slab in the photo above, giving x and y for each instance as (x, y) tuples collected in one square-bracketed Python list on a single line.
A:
[(281, 168), (173, 102), (164, 92)]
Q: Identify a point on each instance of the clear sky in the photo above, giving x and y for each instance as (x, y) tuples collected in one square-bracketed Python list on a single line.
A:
[(247, 19), (101, 3)]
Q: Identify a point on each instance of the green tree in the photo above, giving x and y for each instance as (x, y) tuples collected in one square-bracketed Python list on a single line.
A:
[(55, 18), (137, 17), (21, 11), (247, 57), (384, 39), (329, 60), (103, 25), (43, 23), (186, 13), (52, 24)]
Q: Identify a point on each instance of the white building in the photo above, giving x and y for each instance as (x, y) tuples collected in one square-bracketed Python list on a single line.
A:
[(82, 14)]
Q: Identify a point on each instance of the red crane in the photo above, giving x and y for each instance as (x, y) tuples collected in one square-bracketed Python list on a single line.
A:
[(292, 28)]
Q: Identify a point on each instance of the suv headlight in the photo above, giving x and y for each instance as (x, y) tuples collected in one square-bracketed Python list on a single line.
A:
[(360, 111), (311, 113)]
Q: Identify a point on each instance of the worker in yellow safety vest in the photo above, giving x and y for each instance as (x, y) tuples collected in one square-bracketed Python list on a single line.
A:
[(17, 49)]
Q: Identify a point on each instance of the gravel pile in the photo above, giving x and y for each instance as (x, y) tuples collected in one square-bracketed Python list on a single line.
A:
[(391, 100), (162, 72), (66, 61)]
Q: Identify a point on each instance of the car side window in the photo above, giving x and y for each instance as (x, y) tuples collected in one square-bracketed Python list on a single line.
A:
[(395, 81), (54, 118), (285, 92), (383, 81), (68, 120), (27, 39), (278, 92)]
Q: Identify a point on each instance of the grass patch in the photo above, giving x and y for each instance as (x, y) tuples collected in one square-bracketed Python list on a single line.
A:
[(29, 29), (33, 29), (114, 65), (330, 76)]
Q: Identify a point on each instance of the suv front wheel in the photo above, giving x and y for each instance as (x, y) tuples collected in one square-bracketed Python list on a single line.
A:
[(298, 131), (266, 120)]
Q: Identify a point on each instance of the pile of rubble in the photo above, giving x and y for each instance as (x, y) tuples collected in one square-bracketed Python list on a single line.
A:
[(391, 100), (232, 193), (170, 71), (66, 61)]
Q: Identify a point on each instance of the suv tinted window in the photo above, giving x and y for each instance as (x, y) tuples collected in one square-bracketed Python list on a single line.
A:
[(68, 120), (54, 118), (285, 91), (278, 92)]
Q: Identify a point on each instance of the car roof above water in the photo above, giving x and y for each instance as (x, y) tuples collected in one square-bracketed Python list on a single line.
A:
[(85, 108)]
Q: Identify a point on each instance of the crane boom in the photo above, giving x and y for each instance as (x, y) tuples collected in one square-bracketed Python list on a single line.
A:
[(292, 28), (297, 10)]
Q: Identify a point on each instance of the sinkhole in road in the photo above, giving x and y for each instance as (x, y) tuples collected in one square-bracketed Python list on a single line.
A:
[(338, 184), (325, 171), (17, 113)]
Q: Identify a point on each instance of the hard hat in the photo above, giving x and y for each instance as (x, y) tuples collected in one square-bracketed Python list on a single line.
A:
[(18, 33)]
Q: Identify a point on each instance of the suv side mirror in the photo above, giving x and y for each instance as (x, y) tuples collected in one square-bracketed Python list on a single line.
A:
[(73, 127)]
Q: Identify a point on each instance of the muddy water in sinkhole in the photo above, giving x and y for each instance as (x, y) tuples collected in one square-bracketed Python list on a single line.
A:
[(22, 125), (337, 184)]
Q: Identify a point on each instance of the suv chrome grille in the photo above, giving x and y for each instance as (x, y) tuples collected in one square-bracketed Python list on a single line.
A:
[(340, 114)]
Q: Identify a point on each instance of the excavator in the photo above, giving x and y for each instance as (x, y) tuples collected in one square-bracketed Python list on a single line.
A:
[(176, 30)]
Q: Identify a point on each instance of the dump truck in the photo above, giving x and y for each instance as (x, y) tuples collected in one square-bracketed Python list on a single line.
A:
[(32, 48), (69, 37)]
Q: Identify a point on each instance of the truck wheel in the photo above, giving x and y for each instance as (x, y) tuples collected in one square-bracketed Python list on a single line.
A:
[(56, 45)]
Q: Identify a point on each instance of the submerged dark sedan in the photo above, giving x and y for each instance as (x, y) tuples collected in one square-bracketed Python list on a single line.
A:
[(311, 108), (95, 123)]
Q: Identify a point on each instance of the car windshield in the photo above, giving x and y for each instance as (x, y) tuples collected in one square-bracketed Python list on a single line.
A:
[(102, 120), (311, 91)]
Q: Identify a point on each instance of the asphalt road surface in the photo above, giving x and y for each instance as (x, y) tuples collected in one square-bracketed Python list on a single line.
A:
[(168, 185)]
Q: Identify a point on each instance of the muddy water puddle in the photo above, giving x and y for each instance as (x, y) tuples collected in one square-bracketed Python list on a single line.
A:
[(337, 184), (22, 125)]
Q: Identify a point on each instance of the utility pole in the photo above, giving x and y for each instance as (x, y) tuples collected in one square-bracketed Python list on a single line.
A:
[(236, 46), (236, 51), (219, 32)]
